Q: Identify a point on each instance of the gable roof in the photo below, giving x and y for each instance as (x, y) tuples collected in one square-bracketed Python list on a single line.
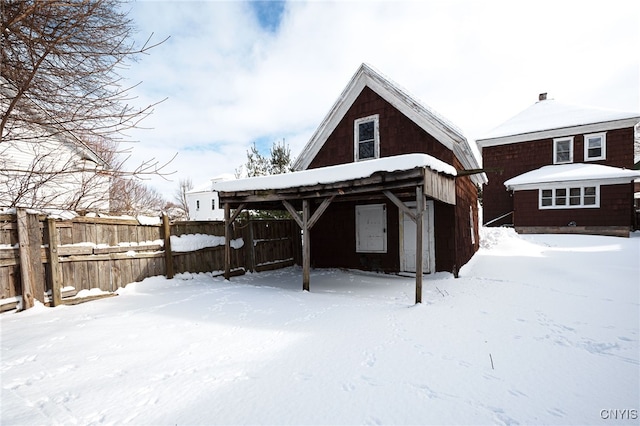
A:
[(437, 126), (577, 173), (550, 118)]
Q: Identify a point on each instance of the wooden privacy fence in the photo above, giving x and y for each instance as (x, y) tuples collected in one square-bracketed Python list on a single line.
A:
[(52, 260)]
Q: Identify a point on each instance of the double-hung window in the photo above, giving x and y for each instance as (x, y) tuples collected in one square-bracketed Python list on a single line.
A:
[(366, 138), (595, 146), (563, 150), (569, 197)]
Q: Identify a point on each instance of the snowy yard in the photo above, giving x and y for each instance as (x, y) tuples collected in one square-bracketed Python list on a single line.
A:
[(537, 330)]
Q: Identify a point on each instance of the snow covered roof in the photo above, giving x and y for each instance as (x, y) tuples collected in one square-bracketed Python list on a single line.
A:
[(571, 173), (338, 173), (550, 118), (433, 123), (206, 187)]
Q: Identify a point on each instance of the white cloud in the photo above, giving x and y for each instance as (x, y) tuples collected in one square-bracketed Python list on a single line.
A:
[(230, 83)]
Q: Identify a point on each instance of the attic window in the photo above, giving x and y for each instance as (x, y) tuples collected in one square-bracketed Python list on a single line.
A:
[(366, 138), (563, 150)]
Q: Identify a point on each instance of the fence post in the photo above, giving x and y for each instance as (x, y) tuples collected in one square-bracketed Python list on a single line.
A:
[(168, 257), (54, 271), (26, 271), (251, 247)]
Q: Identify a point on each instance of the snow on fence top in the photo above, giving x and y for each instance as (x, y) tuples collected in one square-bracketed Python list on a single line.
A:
[(338, 173)]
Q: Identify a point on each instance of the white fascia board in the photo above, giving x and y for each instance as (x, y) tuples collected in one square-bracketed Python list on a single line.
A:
[(427, 120), (566, 183), (416, 112), (556, 133)]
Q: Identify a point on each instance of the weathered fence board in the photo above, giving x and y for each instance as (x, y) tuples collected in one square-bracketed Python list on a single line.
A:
[(106, 253)]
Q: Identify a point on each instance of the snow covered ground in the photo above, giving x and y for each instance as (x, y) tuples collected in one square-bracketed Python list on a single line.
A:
[(537, 330)]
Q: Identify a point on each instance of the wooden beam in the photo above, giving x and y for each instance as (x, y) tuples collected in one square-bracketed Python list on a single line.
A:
[(306, 249), (321, 209), (294, 214), (237, 211), (419, 234), (390, 195), (375, 183), (469, 172), (311, 192)]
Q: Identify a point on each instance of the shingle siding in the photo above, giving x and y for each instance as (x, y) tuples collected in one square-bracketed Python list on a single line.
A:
[(398, 134)]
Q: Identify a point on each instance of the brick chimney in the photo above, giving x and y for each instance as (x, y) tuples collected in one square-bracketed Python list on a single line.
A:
[(542, 96)]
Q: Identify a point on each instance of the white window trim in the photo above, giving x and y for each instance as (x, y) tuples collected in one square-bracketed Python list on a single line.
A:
[(359, 249), (555, 150), (603, 150), (553, 205), (376, 137)]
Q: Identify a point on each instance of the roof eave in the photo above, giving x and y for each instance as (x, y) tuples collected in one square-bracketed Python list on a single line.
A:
[(581, 182), (558, 132)]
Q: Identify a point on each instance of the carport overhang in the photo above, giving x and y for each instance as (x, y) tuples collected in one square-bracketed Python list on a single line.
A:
[(417, 183)]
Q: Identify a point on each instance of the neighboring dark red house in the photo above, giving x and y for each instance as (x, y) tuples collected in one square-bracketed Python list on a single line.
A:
[(558, 168)]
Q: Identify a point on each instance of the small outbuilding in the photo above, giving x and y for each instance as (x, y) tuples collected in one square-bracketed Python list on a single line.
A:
[(384, 184)]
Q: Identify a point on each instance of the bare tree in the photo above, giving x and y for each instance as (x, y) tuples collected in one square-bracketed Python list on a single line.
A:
[(131, 196), (180, 196), (59, 86)]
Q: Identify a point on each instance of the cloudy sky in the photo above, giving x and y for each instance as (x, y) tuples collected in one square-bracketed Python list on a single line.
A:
[(239, 72)]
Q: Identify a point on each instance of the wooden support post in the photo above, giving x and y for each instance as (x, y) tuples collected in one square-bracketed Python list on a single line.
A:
[(306, 223), (306, 248), (26, 272), (228, 235), (419, 243), (168, 256), (55, 280), (227, 241)]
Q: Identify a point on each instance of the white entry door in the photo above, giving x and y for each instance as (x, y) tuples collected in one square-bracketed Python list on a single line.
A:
[(408, 235)]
